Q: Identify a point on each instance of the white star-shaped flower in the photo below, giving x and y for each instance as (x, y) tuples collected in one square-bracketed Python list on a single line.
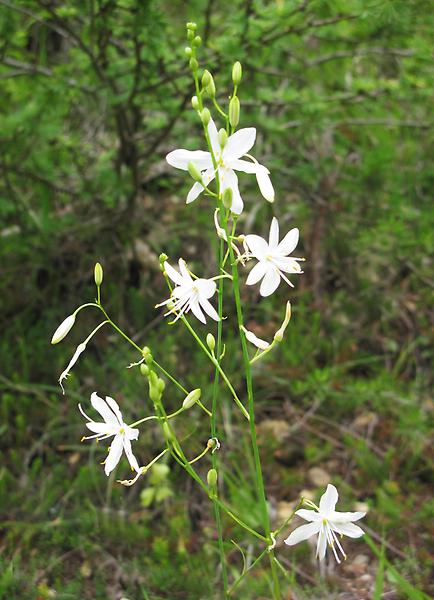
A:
[(113, 426), (328, 524), (273, 259), (190, 294), (228, 161)]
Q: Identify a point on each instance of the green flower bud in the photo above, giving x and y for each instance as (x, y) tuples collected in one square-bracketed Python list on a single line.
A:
[(162, 259), (210, 88), (210, 341), (190, 35), (98, 274), (197, 41), (234, 111), (227, 198), (206, 78), (161, 385), (195, 103), (188, 52), (146, 351), (191, 25), (194, 171), (212, 477), (167, 431), (278, 336), (237, 73), (205, 115), (191, 398), (144, 370), (194, 65), (222, 137)]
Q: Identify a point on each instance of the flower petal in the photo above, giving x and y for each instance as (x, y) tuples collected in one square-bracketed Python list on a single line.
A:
[(287, 264), (302, 533), (115, 408), (129, 453), (321, 546), (206, 287), (229, 179), (273, 239), (270, 283), (345, 517), (245, 166), (101, 406), (195, 191), (349, 529), (196, 310), (328, 500), (104, 428), (173, 274), (239, 143), (257, 273), (209, 308), (114, 454), (184, 271), (308, 515), (289, 242), (214, 139), (257, 246), (253, 339), (264, 183), (180, 159)]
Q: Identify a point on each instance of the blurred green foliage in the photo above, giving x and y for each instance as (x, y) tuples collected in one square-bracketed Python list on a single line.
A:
[(94, 94)]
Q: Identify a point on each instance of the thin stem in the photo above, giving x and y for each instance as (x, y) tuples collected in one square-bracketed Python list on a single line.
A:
[(241, 577)]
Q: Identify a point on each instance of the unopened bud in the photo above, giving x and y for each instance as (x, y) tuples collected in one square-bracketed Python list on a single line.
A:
[(63, 329), (98, 274), (206, 78), (210, 341), (205, 115), (194, 65), (190, 35), (146, 351), (191, 398), (211, 477), (237, 73), (191, 25), (210, 88), (188, 52), (167, 431), (161, 385), (234, 111), (194, 171), (195, 103), (162, 259), (227, 198), (278, 336), (197, 41), (144, 370), (223, 138)]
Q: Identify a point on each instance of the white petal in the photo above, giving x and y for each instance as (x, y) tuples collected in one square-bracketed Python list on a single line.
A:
[(173, 274), (209, 308), (184, 271), (349, 529), (104, 428), (309, 515), (270, 283), (257, 273), (180, 159), (128, 451), (345, 517), (257, 246), (194, 192), (229, 179), (302, 533), (114, 454), (115, 408), (273, 239), (253, 339), (101, 406), (287, 264), (321, 545), (239, 144), (289, 242), (264, 183), (328, 500), (214, 139), (245, 166), (63, 329), (196, 310), (131, 432)]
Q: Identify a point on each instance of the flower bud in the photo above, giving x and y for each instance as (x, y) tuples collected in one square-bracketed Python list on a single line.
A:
[(223, 138), (212, 477), (188, 52), (195, 103), (194, 65), (227, 198), (63, 329), (197, 41), (144, 370), (210, 88), (162, 259), (194, 171), (161, 385), (206, 78), (234, 111), (210, 341), (167, 431), (146, 351), (205, 115), (191, 398), (191, 25), (278, 336), (190, 35), (237, 73), (98, 274)]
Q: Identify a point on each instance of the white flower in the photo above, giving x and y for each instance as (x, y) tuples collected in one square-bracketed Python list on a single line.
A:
[(253, 339), (63, 329), (273, 258), (228, 161), (190, 294), (328, 524), (113, 426)]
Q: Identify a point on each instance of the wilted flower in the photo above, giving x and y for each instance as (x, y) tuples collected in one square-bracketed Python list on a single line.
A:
[(328, 524), (190, 294), (113, 426), (228, 159), (253, 339), (273, 258), (80, 348)]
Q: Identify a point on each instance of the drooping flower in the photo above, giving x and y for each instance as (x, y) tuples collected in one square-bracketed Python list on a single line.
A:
[(189, 294), (228, 160), (253, 339), (79, 350), (113, 426), (328, 524), (273, 259)]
